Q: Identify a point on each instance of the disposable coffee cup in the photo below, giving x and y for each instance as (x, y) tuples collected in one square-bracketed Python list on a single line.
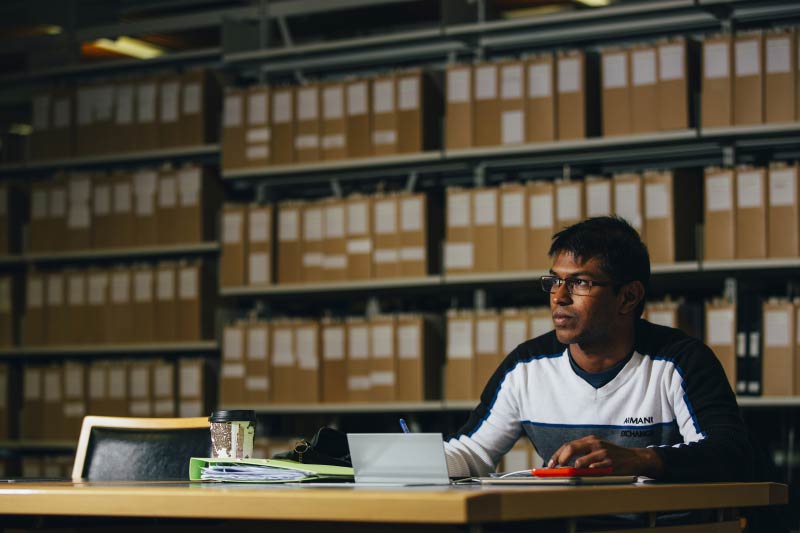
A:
[(232, 434)]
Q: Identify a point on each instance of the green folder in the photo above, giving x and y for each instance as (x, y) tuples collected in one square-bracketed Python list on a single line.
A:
[(311, 472)]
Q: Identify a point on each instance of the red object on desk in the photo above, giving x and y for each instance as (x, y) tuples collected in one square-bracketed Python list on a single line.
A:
[(571, 472)]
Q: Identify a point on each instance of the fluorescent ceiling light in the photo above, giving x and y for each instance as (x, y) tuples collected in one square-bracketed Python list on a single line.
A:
[(595, 3), (130, 47)]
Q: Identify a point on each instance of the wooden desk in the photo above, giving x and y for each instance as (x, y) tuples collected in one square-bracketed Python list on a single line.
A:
[(461, 505)]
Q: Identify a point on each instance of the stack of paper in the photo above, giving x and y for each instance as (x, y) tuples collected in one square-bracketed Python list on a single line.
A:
[(234, 472), (263, 471)]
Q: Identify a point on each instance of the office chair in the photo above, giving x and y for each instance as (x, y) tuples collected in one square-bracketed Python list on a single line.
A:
[(139, 449)]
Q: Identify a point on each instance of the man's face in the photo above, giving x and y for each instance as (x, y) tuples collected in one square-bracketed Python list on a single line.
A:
[(589, 319)]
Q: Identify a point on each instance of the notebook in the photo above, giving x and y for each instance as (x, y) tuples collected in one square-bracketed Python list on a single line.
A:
[(398, 459)]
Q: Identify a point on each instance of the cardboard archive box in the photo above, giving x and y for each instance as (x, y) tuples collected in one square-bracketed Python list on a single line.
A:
[(195, 388), (169, 106), (629, 200), (513, 227), (77, 305), (719, 241), (784, 203), (144, 302), (198, 204), (748, 90), (386, 237), (459, 380), (486, 105), (124, 115), (97, 310), (383, 359), (166, 302), (117, 400), (540, 321), (162, 379), (307, 123), (419, 358), (285, 385), (540, 100), (283, 126), (52, 402), (290, 247), (779, 374), (511, 102), (199, 111), (74, 408), (459, 122), (358, 364), (257, 131), (333, 124), (419, 111), (56, 311), (313, 245), (9, 310), (85, 131), (359, 237), (359, 118), (79, 211), (12, 214), (147, 112), (57, 212), (671, 214), (121, 307), (233, 129), (384, 116), (122, 219), (259, 245), (644, 89), (62, 124), (103, 127), (459, 250), (334, 245), (677, 83), (41, 120), (616, 92), (257, 378), (415, 249), (32, 412), (669, 313), (307, 373), (145, 194), (751, 213), (721, 335), (716, 104), (514, 332), (10, 396), (577, 102), (599, 196), (167, 207), (38, 228), (333, 366), (780, 75), (195, 302), (486, 229), (34, 333), (97, 389), (488, 326), (541, 222), (569, 203), (233, 370), (233, 264)]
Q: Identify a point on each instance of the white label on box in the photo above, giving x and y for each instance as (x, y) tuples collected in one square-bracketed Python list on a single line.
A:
[(485, 203), (569, 75), (41, 113), (189, 383), (357, 218), (189, 409), (258, 271), (102, 200), (615, 71), (61, 113), (306, 142), (55, 290), (145, 182), (122, 198), (188, 283), (782, 187), (257, 343), (192, 96), (540, 80), (258, 225), (98, 285), (720, 327), (334, 262), (670, 62), (307, 358), (540, 326), (283, 348), (39, 204), (312, 259), (358, 342), (382, 378), (307, 102), (233, 111), (776, 329), (778, 54), (662, 318), (120, 287), (312, 224), (162, 382), (514, 334), (513, 208), (383, 96), (52, 386), (146, 103), (716, 61), (189, 186), (231, 228), (598, 198), (124, 108), (357, 99), (386, 255), (256, 152), (167, 192), (333, 141), (382, 341), (288, 222), (627, 201), (512, 127), (358, 383), (458, 86), (57, 202), (644, 67), (486, 82), (385, 217), (749, 189), (511, 82), (165, 282), (117, 383), (232, 344), (408, 99), (359, 246), (139, 382), (35, 294), (71, 410), (408, 342), (486, 336), (142, 286), (169, 102), (333, 343), (256, 384), (257, 111), (568, 202), (458, 210), (656, 201), (719, 193), (80, 189), (384, 137), (334, 222), (459, 339), (97, 383), (332, 103), (412, 253), (282, 107), (411, 214), (79, 217), (458, 255), (33, 384), (748, 62)]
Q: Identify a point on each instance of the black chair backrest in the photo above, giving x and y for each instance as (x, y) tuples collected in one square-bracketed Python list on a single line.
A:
[(143, 454)]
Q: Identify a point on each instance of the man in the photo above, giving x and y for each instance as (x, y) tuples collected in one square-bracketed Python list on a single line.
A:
[(606, 388)]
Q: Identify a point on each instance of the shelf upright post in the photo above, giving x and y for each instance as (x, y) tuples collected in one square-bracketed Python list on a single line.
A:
[(729, 156), (479, 299), (479, 175), (336, 188), (411, 181)]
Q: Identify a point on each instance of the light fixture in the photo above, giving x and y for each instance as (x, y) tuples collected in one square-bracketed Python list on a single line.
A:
[(130, 47), (594, 3)]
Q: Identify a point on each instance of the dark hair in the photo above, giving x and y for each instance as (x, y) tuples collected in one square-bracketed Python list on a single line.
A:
[(614, 242)]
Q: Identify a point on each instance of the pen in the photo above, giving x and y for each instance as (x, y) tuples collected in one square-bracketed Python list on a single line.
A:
[(404, 426)]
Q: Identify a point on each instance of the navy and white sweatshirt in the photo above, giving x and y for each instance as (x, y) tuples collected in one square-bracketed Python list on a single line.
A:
[(672, 395)]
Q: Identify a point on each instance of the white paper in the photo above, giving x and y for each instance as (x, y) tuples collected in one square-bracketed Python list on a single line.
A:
[(102, 200), (778, 56), (458, 210), (312, 224), (782, 187), (192, 96), (719, 193), (411, 214), (776, 329), (282, 107), (458, 86), (615, 71), (627, 201), (55, 290), (511, 82), (258, 268), (486, 336), (124, 105), (749, 189), (644, 67), (568, 202), (662, 318), (541, 211), (333, 103), (120, 287), (569, 75), (514, 333), (720, 327), (357, 99), (458, 255), (383, 96), (143, 286), (333, 343), (233, 111), (307, 103), (485, 204), (716, 60), (748, 60), (334, 222), (459, 339), (540, 80), (408, 342), (283, 348), (598, 198), (382, 338), (358, 342), (656, 201), (288, 222), (169, 102), (385, 217), (486, 82), (165, 285), (512, 127), (408, 99), (257, 343), (232, 344), (670, 62), (188, 284), (231, 228), (513, 209)]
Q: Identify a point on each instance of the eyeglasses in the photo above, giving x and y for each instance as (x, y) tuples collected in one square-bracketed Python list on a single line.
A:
[(575, 286)]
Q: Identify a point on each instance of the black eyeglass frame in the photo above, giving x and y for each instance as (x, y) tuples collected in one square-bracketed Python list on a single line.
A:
[(570, 283)]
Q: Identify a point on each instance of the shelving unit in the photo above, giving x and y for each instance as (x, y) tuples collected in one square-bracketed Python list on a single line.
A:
[(122, 253), (95, 350)]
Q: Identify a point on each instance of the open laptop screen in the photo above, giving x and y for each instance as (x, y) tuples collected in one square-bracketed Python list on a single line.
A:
[(398, 458)]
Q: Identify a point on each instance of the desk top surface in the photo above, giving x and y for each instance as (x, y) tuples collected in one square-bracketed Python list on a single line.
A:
[(446, 505)]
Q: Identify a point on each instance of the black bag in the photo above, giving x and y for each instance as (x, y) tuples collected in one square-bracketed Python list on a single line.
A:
[(327, 447)]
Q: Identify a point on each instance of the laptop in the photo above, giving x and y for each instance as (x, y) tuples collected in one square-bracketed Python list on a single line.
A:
[(398, 459)]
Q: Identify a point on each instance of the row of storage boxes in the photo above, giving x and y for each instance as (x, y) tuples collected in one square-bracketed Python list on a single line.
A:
[(49, 401), (383, 359), (37, 466), (164, 302), (146, 207), (126, 114)]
